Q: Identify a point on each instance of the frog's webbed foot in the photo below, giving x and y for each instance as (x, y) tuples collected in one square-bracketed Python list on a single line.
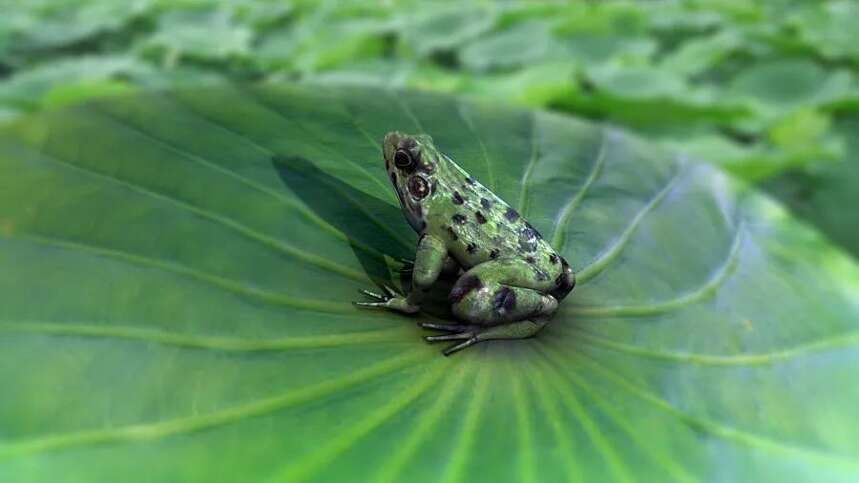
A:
[(388, 292), (389, 299), (468, 338), (468, 332), (472, 334)]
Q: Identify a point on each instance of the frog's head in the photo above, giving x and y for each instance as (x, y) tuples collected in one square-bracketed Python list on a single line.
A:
[(412, 163)]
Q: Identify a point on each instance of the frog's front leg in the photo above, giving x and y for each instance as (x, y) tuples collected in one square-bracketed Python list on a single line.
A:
[(449, 267), (431, 258)]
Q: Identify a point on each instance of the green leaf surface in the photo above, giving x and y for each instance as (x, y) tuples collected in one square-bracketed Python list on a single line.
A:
[(825, 194), (29, 89), (783, 84), (827, 27), (199, 34), (37, 25), (524, 43), (178, 267), (434, 28)]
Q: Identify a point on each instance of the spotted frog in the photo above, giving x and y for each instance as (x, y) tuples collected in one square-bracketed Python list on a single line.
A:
[(512, 281)]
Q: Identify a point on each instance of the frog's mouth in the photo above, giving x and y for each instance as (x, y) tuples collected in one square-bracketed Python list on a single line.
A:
[(412, 210), (410, 203)]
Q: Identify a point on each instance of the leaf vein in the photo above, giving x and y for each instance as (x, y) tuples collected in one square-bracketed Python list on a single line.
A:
[(843, 340), (219, 343), (607, 256), (184, 425), (529, 169), (726, 432), (289, 202), (570, 207), (265, 240), (708, 289)]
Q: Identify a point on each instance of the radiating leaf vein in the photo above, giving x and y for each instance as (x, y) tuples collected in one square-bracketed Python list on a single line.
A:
[(568, 209), (265, 240), (305, 468), (162, 429), (210, 342), (608, 255), (850, 463), (706, 290), (774, 357)]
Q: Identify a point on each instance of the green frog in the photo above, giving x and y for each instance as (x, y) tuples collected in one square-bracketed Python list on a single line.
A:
[(512, 279)]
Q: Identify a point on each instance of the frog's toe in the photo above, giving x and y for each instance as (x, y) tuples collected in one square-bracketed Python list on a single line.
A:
[(389, 291), (374, 295), (468, 338), (448, 327), (441, 338), (462, 345), (392, 302), (371, 304)]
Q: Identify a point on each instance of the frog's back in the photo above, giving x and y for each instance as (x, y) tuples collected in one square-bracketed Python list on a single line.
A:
[(478, 226)]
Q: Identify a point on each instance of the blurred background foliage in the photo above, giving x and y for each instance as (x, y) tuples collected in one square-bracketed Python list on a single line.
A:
[(766, 89)]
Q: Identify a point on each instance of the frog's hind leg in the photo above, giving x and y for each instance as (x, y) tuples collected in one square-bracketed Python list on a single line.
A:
[(500, 312), (449, 327), (482, 301), (514, 330)]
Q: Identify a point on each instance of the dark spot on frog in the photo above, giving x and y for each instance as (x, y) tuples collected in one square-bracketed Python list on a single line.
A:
[(393, 177), (511, 214), (486, 204), (457, 198), (564, 283), (458, 219), (536, 233), (553, 259), (471, 248), (470, 180), (423, 226), (504, 300), (540, 275), (480, 218), (528, 239), (453, 235), (493, 254), (529, 259), (463, 286), (432, 188), (407, 143)]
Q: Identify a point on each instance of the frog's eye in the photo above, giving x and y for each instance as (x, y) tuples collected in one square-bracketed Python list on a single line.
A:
[(418, 187), (403, 159)]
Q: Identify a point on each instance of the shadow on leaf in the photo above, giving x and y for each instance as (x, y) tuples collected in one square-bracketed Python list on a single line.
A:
[(357, 215), (364, 219)]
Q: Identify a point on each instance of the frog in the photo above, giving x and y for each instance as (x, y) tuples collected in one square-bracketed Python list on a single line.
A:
[(510, 280)]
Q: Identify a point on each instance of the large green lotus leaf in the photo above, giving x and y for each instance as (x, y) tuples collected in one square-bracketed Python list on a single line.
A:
[(177, 271)]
